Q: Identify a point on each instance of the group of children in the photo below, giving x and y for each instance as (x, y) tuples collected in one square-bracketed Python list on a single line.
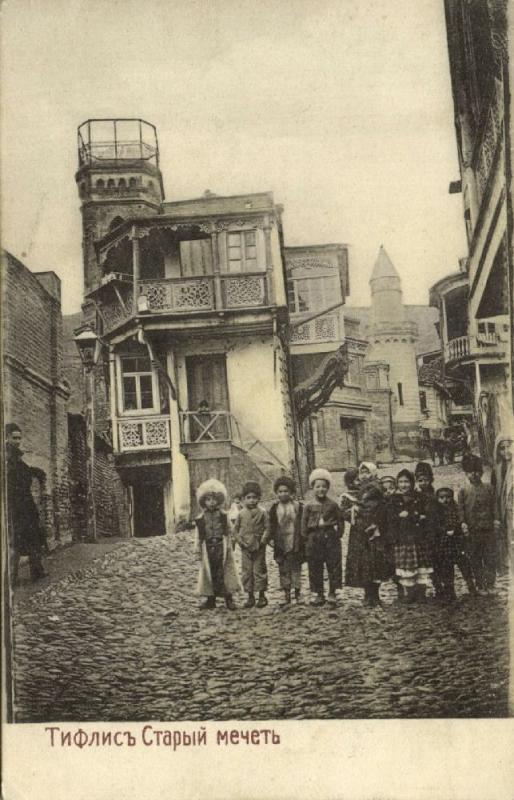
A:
[(400, 529)]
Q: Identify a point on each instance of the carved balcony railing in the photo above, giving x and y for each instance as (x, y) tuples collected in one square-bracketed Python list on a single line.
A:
[(458, 348), (327, 328), (488, 140), (143, 433), (244, 290), (469, 346), (178, 294)]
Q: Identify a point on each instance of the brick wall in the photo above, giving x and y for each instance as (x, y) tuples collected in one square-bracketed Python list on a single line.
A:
[(112, 517), (35, 396)]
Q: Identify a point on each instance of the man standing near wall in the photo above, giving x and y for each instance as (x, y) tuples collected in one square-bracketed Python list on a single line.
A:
[(26, 536)]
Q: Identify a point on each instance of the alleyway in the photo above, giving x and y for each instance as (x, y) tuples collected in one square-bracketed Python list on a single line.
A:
[(102, 646)]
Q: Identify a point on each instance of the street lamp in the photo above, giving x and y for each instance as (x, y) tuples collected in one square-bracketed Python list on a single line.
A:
[(89, 348)]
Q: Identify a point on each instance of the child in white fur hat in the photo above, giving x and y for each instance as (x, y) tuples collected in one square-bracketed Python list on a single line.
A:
[(322, 528), (218, 574)]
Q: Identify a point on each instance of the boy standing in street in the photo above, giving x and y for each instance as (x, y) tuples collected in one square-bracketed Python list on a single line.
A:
[(251, 532), (476, 507), (322, 528)]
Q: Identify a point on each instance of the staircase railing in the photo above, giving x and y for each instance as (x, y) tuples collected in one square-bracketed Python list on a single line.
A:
[(201, 427)]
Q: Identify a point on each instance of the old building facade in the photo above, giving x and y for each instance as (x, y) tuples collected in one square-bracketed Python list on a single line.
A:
[(475, 302), (354, 421), (36, 393)]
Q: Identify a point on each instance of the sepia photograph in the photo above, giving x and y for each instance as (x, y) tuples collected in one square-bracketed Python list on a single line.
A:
[(257, 403)]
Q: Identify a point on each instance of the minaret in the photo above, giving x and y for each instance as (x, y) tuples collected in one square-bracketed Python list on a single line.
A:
[(118, 178), (392, 339)]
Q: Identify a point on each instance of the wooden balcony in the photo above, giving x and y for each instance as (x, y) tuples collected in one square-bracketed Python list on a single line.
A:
[(469, 347), (142, 433), (228, 292)]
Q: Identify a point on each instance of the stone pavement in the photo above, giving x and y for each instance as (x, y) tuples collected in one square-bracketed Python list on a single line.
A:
[(124, 639)]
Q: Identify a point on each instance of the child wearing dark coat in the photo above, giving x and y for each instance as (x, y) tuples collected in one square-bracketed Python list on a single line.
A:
[(217, 575), (477, 510), (285, 517), (425, 499), (251, 533), (411, 562), (450, 547), (321, 534), (368, 561)]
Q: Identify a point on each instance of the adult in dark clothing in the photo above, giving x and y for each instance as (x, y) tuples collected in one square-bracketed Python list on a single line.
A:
[(26, 537)]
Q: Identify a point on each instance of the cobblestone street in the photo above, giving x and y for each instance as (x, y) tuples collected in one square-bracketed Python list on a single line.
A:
[(124, 640)]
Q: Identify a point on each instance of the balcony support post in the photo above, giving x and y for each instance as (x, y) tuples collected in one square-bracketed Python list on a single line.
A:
[(269, 261), (218, 297), (135, 265), (112, 397)]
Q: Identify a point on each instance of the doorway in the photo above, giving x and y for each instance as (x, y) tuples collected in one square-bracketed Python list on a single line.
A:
[(350, 441), (149, 518)]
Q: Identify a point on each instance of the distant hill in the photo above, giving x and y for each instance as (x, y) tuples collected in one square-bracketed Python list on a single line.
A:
[(423, 316)]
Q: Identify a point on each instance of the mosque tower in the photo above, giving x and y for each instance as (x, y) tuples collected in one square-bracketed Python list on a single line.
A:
[(392, 339)]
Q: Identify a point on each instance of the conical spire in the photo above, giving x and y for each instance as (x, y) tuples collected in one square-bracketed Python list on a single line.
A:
[(384, 267), (386, 291)]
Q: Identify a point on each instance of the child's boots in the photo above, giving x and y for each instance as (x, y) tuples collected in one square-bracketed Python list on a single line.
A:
[(209, 603), (250, 602), (262, 601), (319, 600), (230, 603)]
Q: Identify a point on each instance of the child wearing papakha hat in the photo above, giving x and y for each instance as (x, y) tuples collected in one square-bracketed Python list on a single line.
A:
[(322, 529), (218, 574), (285, 517), (251, 533)]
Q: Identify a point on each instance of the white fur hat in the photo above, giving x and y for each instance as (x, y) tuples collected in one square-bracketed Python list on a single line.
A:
[(320, 475), (212, 486)]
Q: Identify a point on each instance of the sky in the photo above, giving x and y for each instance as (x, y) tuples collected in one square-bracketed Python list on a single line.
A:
[(342, 108)]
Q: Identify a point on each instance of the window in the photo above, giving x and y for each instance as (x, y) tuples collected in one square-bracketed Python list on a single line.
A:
[(423, 401), (372, 381), (313, 294), (400, 394), (354, 371), (318, 430), (137, 383), (242, 251)]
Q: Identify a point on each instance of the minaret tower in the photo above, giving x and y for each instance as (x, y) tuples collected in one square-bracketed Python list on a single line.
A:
[(118, 178), (392, 339)]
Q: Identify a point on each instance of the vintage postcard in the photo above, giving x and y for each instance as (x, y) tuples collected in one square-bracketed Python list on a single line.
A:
[(257, 295)]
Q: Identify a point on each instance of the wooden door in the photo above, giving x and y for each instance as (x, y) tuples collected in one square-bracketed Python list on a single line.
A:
[(207, 382), (350, 448)]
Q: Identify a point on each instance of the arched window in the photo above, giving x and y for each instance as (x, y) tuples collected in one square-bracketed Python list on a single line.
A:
[(150, 185), (122, 183), (100, 184), (116, 222), (132, 183), (111, 183)]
